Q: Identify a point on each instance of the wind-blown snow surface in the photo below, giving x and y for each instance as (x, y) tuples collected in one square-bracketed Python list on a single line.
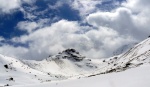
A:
[(70, 69)]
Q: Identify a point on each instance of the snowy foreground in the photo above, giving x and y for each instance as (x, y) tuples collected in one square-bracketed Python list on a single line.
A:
[(70, 69), (135, 77)]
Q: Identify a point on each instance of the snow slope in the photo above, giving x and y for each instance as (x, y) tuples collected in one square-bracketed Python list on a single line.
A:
[(136, 56), (14, 72), (68, 66), (59, 67), (136, 77)]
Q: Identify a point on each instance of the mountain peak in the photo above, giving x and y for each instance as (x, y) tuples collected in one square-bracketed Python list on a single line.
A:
[(70, 54), (70, 64)]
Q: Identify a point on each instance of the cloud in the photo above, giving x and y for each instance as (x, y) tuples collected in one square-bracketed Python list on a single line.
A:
[(137, 5), (12, 5), (28, 1), (64, 34), (1, 39), (47, 40), (140, 12), (120, 20), (110, 31), (56, 5), (7, 6), (127, 20), (85, 7), (30, 26), (27, 26), (11, 51)]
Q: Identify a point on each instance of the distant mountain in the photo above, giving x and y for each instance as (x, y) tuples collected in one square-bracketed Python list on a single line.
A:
[(69, 64)]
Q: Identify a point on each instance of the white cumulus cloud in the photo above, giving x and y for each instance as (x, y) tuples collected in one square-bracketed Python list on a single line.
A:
[(12, 5), (7, 6), (131, 19), (64, 34), (85, 7), (110, 30), (27, 26)]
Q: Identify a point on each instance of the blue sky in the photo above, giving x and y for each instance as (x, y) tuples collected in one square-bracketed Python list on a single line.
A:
[(85, 25), (63, 12)]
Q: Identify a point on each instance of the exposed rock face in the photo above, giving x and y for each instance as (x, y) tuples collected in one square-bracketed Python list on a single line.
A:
[(71, 54)]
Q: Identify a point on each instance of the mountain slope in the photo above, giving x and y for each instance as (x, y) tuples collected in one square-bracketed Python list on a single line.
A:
[(15, 72), (136, 56), (65, 65), (69, 64), (135, 77)]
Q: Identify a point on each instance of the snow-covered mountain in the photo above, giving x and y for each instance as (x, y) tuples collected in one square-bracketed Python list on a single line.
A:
[(69, 64), (136, 56), (65, 65)]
